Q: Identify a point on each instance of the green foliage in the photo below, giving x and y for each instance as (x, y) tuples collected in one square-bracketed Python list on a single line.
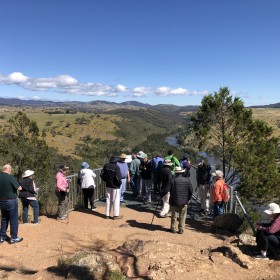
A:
[(246, 148), (97, 151), (21, 146)]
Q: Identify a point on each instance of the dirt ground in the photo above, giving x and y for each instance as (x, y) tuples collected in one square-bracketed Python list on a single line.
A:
[(164, 256)]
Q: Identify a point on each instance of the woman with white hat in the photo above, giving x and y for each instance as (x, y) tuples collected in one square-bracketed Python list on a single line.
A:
[(28, 196), (268, 235)]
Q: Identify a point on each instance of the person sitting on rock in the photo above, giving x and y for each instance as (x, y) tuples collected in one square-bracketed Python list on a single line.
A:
[(268, 235)]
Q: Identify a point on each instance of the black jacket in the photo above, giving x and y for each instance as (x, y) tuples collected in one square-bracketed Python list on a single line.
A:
[(146, 170), (203, 174), (166, 177), (27, 188), (113, 175), (181, 190)]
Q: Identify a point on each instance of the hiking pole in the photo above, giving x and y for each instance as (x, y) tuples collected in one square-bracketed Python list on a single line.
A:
[(155, 211)]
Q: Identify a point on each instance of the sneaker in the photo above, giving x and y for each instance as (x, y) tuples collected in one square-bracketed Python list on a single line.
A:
[(93, 208), (61, 218), (15, 240), (261, 257), (117, 217), (3, 239), (173, 231), (123, 202), (107, 217)]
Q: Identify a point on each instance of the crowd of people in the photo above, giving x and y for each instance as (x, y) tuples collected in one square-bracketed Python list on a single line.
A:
[(168, 176)]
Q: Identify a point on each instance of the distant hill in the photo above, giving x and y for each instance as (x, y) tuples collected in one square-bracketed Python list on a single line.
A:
[(96, 105), (276, 105)]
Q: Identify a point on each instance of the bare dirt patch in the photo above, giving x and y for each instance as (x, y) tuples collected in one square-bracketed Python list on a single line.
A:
[(140, 250)]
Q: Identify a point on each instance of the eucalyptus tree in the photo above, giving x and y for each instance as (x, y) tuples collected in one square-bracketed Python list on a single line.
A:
[(21, 146), (245, 146)]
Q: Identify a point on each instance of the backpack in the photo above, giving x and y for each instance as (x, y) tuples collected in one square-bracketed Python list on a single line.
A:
[(226, 193), (185, 165), (157, 166), (104, 175)]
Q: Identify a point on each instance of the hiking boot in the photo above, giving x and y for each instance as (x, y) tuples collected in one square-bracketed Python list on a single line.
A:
[(173, 231), (180, 231), (15, 240), (117, 217)]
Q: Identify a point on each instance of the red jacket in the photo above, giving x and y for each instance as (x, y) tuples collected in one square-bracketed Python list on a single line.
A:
[(217, 190)]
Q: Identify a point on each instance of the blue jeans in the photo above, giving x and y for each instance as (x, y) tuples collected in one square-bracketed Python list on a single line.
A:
[(218, 208), (9, 212), (122, 189), (34, 204), (134, 183)]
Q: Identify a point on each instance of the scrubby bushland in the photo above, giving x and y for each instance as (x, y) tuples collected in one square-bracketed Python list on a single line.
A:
[(245, 146)]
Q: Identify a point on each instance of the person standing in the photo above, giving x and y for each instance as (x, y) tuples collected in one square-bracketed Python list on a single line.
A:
[(9, 205), (124, 175), (146, 177), (180, 195), (135, 175), (217, 191), (28, 197), (87, 176), (62, 191), (203, 176), (111, 174), (174, 160), (166, 177), (185, 163), (157, 164)]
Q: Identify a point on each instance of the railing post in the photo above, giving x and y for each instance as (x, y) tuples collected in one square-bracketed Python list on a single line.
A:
[(245, 213)]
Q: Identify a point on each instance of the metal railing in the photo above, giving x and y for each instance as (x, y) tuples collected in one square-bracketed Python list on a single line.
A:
[(48, 200)]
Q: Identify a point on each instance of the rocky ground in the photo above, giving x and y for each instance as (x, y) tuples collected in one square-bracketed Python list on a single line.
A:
[(87, 246)]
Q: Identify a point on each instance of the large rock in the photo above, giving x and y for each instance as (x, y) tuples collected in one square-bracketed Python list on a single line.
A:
[(230, 222)]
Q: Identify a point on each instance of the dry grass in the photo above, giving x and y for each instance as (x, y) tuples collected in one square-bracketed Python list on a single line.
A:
[(66, 136), (271, 116)]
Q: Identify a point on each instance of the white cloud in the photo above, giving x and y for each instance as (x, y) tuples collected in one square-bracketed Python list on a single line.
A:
[(17, 78), (65, 84), (120, 88)]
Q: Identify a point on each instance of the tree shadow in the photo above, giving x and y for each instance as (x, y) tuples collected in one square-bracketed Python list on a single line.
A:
[(23, 271)]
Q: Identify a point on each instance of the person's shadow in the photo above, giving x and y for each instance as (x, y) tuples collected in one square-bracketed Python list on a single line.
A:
[(134, 223)]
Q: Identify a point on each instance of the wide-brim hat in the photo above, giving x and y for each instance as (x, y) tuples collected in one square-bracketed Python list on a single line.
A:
[(218, 173), (179, 170), (167, 162), (123, 156), (143, 156), (27, 173), (139, 154), (273, 209), (85, 165), (63, 167)]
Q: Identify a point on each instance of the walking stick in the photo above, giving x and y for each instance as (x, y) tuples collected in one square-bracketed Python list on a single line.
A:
[(155, 211)]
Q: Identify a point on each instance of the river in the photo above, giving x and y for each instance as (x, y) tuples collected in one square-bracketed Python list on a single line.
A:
[(212, 160)]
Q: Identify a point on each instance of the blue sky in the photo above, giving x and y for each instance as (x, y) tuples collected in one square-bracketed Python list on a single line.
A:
[(151, 51)]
